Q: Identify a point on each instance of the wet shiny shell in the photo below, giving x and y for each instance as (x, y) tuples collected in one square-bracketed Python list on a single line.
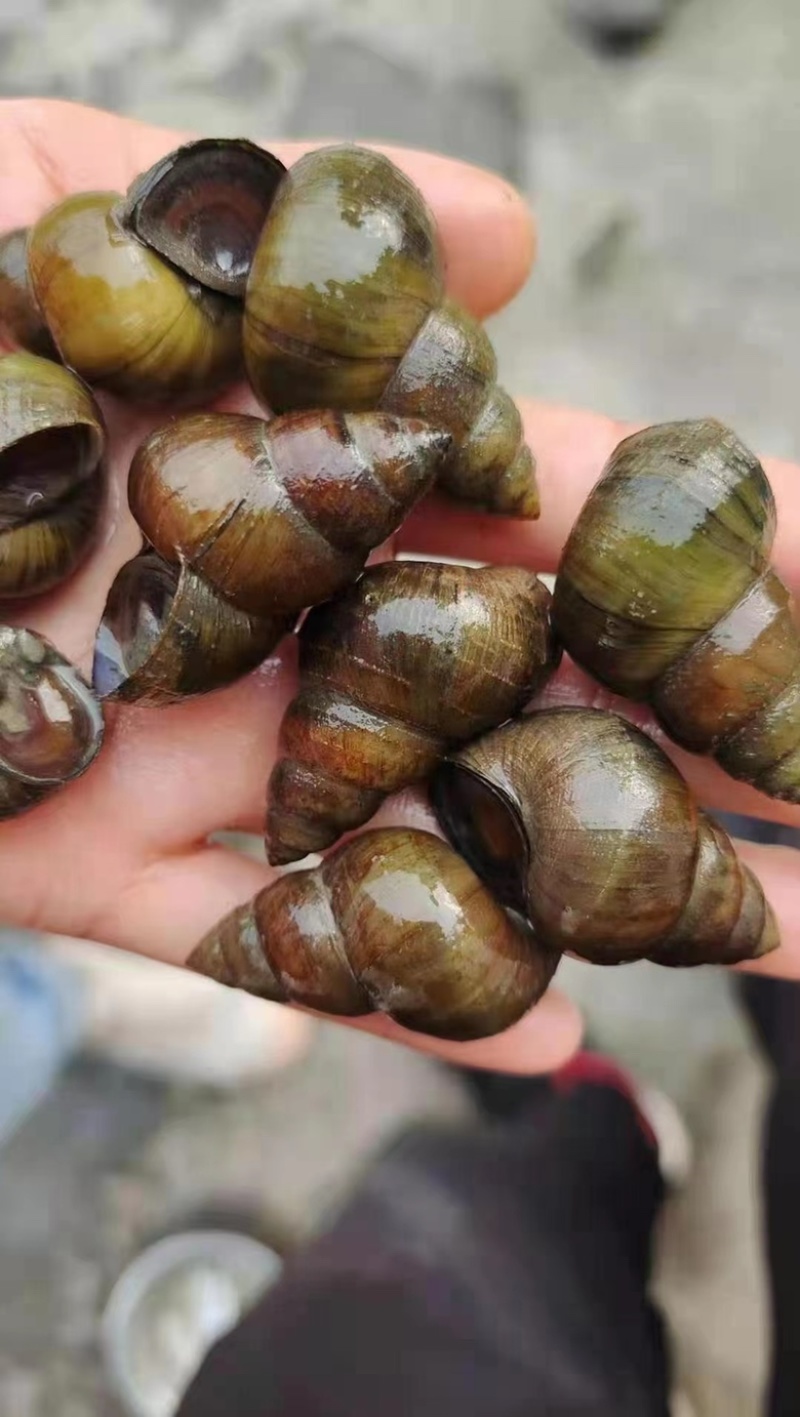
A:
[(393, 921), (345, 273), (415, 657), (120, 316), (578, 820), (279, 516), (665, 592), (345, 308)]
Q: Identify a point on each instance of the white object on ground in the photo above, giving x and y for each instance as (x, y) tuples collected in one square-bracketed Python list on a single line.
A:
[(168, 1022), (171, 1305)]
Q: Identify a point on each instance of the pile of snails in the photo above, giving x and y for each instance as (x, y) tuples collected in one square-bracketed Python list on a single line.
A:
[(563, 830)]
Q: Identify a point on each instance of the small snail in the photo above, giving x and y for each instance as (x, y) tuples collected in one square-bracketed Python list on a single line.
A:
[(665, 593), (52, 473), (142, 295), (51, 727), (392, 921), (21, 323), (345, 308), (247, 523), (412, 659), (577, 820)]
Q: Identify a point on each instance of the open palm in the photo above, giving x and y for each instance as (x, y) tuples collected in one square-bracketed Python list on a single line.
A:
[(123, 855)]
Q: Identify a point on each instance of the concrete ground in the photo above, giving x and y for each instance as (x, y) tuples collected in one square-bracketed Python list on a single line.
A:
[(669, 285)]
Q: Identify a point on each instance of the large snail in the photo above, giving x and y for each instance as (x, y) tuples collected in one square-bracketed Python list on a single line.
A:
[(51, 726), (246, 524), (665, 592), (413, 659), (577, 820), (142, 294), (392, 921), (345, 308), (52, 473)]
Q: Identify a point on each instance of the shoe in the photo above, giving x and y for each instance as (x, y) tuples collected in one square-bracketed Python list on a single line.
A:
[(658, 1115)]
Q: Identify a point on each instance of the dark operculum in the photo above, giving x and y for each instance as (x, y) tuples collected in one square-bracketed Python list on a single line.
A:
[(484, 829)]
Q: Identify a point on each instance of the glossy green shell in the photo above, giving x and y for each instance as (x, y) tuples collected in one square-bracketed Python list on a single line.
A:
[(665, 593), (345, 309)]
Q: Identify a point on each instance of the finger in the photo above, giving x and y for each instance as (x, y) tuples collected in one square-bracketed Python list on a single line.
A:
[(778, 869), (50, 148), (571, 448)]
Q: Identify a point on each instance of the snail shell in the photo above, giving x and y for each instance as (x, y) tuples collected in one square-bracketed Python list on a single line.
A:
[(392, 921), (51, 727), (577, 820), (665, 593), (414, 658), (52, 473), (148, 328), (247, 523), (345, 308), (21, 323)]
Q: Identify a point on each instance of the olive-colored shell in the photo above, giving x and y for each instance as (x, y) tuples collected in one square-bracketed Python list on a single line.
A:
[(577, 820), (250, 522), (51, 727), (21, 323), (138, 292), (665, 593), (393, 921), (121, 316), (345, 308), (52, 473), (414, 658)]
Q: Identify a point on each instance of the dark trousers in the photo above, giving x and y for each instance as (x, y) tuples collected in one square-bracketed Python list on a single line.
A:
[(495, 1272), (775, 1009)]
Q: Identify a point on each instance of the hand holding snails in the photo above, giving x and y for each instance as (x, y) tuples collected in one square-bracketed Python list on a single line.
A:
[(132, 836)]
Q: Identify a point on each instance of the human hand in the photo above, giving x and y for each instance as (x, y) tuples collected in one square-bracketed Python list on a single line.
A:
[(123, 855)]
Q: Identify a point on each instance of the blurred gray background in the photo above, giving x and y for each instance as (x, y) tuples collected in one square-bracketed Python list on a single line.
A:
[(668, 285)]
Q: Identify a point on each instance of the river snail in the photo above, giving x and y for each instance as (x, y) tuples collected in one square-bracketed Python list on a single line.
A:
[(345, 307), (393, 921), (578, 821), (141, 294), (412, 659), (52, 473), (665, 592), (245, 524)]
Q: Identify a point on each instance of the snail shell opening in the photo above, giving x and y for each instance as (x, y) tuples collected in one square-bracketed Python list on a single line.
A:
[(485, 829), (203, 206), (167, 633), (136, 613)]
